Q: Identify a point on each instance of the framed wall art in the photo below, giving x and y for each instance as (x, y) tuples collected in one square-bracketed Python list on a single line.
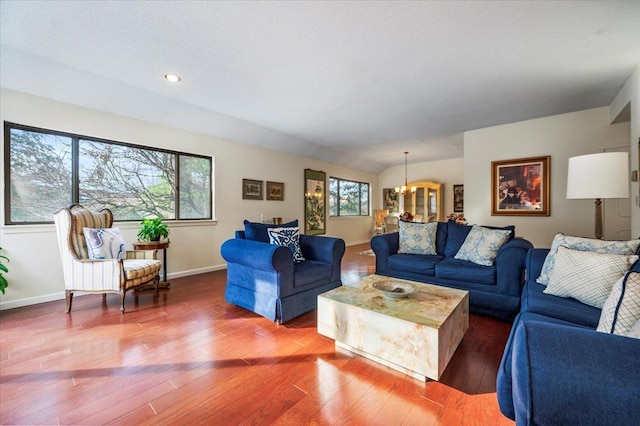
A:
[(251, 189), (520, 187), (275, 191), (390, 200), (458, 198), (315, 202)]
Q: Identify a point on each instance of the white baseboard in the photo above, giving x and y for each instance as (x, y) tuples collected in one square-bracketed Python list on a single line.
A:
[(28, 301), (198, 271)]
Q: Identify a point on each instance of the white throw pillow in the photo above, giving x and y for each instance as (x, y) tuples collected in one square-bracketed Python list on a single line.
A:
[(287, 237), (482, 244), (587, 276), (635, 331), (583, 244), (105, 243), (417, 238), (621, 310)]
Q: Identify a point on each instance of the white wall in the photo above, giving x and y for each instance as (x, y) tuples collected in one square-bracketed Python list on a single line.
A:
[(560, 136), (630, 94), (448, 172), (35, 274)]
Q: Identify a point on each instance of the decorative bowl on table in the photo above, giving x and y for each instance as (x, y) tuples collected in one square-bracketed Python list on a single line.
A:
[(393, 289)]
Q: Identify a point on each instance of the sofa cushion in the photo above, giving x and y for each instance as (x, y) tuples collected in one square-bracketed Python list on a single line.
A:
[(482, 244), (105, 243), (464, 271), (417, 238), (257, 231), (414, 263), (311, 273), (441, 238), (456, 235), (287, 237), (621, 310), (584, 244), (534, 300), (587, 276)]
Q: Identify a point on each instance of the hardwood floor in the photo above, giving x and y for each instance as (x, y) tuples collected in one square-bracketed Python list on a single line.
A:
[(193, 358)]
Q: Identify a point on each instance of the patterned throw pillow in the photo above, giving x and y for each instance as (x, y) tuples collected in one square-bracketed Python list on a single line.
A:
[(482, 244), (621, 310), (587, 276), (257, 231), (287, 237), (635, 331), (105, 243), (418, 238), (583, 244)]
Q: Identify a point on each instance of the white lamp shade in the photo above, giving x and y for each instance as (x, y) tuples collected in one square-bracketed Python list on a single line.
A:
[(603, 175)]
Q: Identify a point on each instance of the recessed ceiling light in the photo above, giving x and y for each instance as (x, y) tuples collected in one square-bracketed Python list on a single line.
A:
[(173, 78)]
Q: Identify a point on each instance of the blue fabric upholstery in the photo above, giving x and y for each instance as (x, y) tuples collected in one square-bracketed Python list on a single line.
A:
[(465, 271), (257, 231), (263, 277), (566, 375), (554, 361), (493, 290)]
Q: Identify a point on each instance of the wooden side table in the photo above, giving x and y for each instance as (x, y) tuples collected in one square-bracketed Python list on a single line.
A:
[(156, 245)]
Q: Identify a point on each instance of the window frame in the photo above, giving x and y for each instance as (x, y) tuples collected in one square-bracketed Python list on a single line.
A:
[(360, 183), (74, 190)]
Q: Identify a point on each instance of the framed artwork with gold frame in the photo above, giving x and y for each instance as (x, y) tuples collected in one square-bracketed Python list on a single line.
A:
[(520, 187)]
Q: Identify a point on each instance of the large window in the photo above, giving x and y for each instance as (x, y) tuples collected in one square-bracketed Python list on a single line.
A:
[(348, 198), (49, 170)]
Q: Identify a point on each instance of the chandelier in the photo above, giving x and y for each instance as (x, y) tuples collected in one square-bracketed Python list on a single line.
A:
[(403, 189)]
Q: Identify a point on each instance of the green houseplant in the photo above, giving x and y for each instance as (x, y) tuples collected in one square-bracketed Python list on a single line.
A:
[(153, 230), (3, 269)]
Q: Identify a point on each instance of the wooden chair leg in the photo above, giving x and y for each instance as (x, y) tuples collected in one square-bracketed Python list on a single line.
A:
[(122, 293), (69, 298)]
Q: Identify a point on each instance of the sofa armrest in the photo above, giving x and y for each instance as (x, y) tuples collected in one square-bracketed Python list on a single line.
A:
[(568, 375), (322, 249), (384, 246), (510, 265), (258, 255)]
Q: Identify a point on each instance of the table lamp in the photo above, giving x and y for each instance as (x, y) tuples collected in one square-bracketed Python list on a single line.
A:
[(599, 176)]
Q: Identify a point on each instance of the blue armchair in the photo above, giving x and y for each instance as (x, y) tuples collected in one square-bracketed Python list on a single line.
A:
[(264, 278)]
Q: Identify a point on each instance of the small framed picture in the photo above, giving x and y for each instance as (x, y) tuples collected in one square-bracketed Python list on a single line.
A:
[(458, 198), (520, 187), (251, 189), (275, 191)]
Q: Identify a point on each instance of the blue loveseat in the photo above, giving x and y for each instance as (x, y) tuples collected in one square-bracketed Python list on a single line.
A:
[(558, 370), (264, 278), (493, 290)]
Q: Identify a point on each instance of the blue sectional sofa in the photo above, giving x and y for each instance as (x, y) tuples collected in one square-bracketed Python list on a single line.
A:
[(264, 278), (558, 370), (493, 290)]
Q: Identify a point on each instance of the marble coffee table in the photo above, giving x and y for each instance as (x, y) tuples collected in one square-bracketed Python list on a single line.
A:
[(416, 335)]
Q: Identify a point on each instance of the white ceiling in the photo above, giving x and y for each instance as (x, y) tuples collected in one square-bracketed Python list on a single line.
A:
[(351, 83)]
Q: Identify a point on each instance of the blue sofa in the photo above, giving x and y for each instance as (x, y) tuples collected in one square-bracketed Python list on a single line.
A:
[(493, 290), (264, 278), (558, 370)]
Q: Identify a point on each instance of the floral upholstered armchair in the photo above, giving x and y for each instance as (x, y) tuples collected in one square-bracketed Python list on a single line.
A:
[(94, 259)]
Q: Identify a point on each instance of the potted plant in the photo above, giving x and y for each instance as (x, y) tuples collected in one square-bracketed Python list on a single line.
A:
[(3, 269), (153, 230)]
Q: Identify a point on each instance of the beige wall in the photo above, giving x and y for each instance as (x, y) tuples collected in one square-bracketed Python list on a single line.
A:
[(35, 273), (561, 136), (630, 95), (448, 172)]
